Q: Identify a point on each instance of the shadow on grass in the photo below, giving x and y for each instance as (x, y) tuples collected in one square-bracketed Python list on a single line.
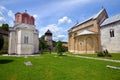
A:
[(5, 61)]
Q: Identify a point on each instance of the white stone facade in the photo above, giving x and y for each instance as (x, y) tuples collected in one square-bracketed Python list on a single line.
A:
[(112, 44), (23, 39)]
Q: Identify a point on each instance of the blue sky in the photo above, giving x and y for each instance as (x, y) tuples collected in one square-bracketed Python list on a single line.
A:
[(57, 15)]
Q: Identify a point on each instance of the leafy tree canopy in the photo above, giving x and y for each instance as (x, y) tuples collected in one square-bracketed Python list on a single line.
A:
[(1, 42), (5, 27)]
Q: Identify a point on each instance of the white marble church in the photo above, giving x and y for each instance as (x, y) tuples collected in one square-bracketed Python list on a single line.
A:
[(23, 37)]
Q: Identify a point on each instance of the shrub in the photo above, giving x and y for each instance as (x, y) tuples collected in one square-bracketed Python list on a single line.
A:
[(1, 42), (104, 53), (59, 48), (3, 51), (100, 54)]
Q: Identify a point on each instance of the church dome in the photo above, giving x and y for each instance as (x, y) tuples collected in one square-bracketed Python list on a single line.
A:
[(24, 18)]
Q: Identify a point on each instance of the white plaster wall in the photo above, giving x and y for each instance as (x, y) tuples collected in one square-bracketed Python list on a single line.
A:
[(16, 40), (22, 47), (12, 43), (36, 42), (112, 44)]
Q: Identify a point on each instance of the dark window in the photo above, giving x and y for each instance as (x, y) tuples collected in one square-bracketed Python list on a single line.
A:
[(111, 33), (25, 39)]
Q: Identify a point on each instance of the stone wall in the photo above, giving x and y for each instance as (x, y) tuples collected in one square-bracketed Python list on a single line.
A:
[(112, 44), (74, 42)]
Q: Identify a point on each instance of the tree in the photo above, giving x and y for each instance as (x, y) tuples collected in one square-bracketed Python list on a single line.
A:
[(43, 44), (59, 48), (1, 42), (5, 27)]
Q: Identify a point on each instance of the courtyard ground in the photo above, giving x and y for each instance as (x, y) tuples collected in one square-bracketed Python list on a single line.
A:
[(53, 67)]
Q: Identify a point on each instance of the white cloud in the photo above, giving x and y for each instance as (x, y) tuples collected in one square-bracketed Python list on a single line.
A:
[(61, 37), (65, 19), (2, 8), (11, 14), (35, 16), (2, 18), (6, 16), (52, 27), (55, 29)]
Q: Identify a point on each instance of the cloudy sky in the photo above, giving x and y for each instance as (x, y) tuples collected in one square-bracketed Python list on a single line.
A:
[(57, 15)]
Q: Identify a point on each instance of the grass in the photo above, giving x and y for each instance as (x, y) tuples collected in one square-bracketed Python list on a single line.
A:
[(115, 56), (53, 67)]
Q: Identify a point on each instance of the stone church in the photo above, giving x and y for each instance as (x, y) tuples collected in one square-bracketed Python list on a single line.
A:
[(95, 34), (23, 37)]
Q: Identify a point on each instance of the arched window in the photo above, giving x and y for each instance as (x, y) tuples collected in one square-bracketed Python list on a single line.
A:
[(26, 40), (111, 32)]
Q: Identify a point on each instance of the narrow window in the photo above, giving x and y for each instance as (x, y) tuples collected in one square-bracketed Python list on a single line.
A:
[(27, 40), (111, 33), (24, 39)]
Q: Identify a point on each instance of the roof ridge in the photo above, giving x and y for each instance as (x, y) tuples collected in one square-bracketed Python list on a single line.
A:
[(111, 19), (92, 17)]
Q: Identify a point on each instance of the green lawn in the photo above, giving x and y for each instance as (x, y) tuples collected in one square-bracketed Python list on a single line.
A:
[(53, 67), (115, 56)]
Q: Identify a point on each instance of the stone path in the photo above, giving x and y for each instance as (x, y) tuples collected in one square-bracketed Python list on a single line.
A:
[(29, 63), (109, 60)]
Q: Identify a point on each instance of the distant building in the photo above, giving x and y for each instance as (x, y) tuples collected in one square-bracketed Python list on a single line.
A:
[(48, 38), (110, 34), (23, 37)]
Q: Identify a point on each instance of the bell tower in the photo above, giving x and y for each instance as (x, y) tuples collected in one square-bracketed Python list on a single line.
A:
[(48, 38)]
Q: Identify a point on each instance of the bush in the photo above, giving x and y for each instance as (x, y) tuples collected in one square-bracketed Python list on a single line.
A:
[(59, 48), (3, 51), (100, 54), (104, 53), (1, 42)]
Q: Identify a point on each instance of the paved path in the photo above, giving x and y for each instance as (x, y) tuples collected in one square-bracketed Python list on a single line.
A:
[(109, 60)]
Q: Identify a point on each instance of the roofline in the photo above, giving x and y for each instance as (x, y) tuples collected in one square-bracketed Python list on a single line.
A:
[(80, 24), (25, 13), (89, 19), (108, 24)]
